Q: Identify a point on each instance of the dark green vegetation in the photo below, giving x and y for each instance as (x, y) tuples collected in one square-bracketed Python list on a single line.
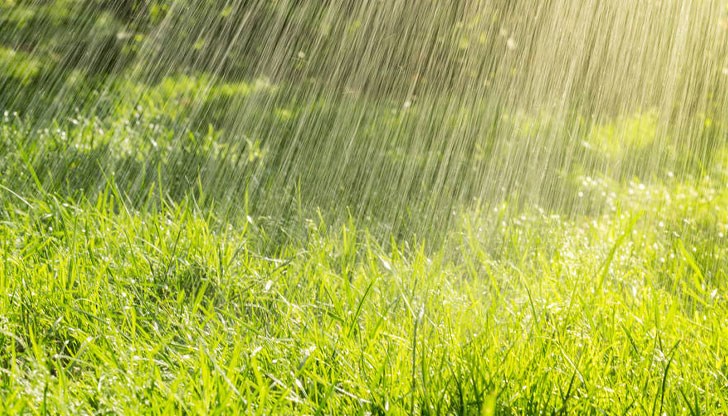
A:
[(293, 207)]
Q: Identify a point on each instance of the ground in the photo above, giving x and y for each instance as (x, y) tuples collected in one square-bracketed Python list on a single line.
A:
[(112, 309)]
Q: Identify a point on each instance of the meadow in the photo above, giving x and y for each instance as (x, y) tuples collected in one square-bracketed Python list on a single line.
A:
[(203, 216), (167, 304)]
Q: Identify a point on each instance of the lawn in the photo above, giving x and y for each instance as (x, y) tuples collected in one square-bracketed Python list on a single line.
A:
[(172, 308), (365, 208)]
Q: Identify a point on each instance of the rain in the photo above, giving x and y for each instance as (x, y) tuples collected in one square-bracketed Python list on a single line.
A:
[(348, 183)]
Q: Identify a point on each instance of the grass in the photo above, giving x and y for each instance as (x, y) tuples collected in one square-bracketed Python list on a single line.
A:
[(181, 234), (135, 279), (111, 309)]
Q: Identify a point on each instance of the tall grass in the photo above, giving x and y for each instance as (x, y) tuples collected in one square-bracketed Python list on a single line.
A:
[(108, 308)]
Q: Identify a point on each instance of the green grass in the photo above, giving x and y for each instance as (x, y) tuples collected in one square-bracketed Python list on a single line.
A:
[(135, 279), (197, 219), (109, 309)]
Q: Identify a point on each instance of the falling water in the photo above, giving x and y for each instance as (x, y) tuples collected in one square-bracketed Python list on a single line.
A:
[(363, 206), (397, 113)]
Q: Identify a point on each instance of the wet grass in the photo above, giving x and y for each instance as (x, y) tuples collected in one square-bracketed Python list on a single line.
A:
[(135, 279), (282, 208), (108, 308)]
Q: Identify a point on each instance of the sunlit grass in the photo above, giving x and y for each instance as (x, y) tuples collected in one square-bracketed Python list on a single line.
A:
[(110, 309), (423, 208), (127, 292)]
